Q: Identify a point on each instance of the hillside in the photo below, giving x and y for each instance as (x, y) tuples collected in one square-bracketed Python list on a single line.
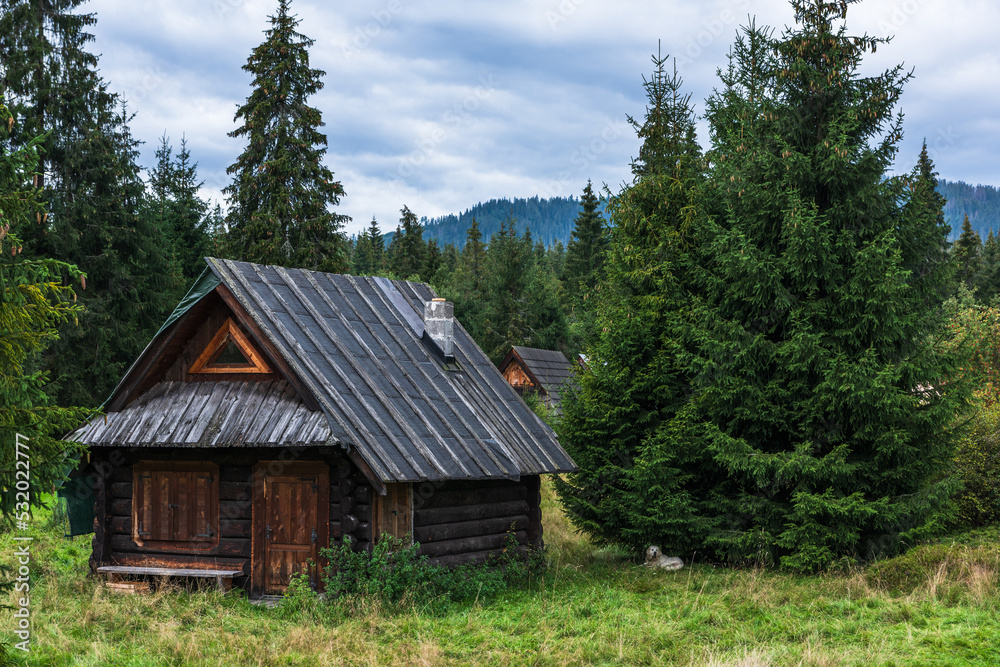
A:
[(980, 202), (548, 219), (552, 219)]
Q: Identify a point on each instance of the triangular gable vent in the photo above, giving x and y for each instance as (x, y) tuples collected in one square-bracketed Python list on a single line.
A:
[(230, 352)]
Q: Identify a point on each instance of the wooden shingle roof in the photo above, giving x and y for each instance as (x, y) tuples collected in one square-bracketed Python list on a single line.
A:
[(356, 350)]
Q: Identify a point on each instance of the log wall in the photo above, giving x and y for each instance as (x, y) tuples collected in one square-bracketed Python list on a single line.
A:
[(466, 522), (455, 522)]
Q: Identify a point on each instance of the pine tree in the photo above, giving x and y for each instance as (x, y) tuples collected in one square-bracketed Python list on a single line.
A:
[(626, 426), (178, 210), (281, 193), (34, 300), (585, 252), (968, 252), (408, 252), (822, 300)]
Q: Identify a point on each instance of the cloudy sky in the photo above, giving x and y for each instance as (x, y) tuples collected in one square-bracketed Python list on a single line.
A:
[(439, 105)]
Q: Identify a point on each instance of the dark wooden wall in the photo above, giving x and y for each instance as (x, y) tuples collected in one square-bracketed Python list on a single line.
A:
[(351, 501), (464, 522), (454, 522), (112, 541)]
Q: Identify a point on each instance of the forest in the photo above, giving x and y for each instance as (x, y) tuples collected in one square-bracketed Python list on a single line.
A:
[(779, 374)]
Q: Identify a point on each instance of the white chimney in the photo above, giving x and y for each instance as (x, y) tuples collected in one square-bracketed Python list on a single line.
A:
[(439, 324)]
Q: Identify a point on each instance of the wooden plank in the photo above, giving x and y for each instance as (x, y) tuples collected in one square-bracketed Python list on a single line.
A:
[(182, 561), (121, 489), (121, 525), (234, 509), (235, 428), (235, 528), (468, 558), (428, 517), (261, 339), (235, 490), (454, 531), (235, 473), (192, 427), (121, 507), (166, 571)]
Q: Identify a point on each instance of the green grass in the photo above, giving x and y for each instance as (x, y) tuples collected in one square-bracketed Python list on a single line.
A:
[(937, 605)]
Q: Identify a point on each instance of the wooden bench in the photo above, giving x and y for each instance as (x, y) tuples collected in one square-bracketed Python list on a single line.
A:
[(224, 578)]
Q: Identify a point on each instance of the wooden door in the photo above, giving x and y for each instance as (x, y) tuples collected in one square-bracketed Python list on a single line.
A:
[(294, 513), (394, 511)]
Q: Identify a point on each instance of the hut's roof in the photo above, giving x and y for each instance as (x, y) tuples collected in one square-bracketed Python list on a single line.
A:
[(549, 369), (356, 347)]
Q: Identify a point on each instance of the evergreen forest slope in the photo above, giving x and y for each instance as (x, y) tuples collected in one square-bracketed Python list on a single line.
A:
[(980, 202), (551, 220)]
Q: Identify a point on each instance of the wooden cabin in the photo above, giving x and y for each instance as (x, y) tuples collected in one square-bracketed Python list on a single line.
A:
[(278, 410), (544, 372)]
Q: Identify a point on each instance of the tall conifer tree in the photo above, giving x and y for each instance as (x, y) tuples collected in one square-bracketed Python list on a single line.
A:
[(803, 399), (584, 267), (408, 251), (824, 295), (98, 219), (968, 252), (282, 194), (626, 427)]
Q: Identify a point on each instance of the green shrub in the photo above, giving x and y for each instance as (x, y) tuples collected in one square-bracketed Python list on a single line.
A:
[(977, 460), (393, 574)]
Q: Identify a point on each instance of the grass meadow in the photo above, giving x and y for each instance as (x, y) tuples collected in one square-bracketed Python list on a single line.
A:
[(937, 605)]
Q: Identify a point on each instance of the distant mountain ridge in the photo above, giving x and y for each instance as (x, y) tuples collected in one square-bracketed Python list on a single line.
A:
[(548, 219), (552, 219), (980, 202)]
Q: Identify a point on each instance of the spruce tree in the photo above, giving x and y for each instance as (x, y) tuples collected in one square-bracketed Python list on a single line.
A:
[(626, 426), (36, 295), (369, 251), (822, 300), (408, 252), (178, 210), (989, 285), (585, 252), (281, 195), (100, 222), (788, 325), (968, 253), (466, 285), (98, 218)]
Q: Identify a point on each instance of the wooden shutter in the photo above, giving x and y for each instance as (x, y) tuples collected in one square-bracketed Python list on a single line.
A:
[(175, 505)]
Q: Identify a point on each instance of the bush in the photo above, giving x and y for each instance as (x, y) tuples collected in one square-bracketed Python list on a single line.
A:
[(977, 460), (393, 574)]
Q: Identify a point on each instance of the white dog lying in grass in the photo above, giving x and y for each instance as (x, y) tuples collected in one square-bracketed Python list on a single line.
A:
[(655, 559)]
